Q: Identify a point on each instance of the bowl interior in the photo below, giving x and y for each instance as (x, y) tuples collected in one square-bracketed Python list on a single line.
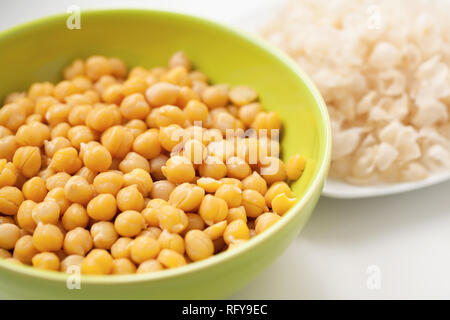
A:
[(39, 50)]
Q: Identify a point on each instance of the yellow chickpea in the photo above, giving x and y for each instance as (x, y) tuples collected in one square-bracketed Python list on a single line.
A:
[(77, 241), (162, 189), (104, 234), (134, 106), (253, 202), (155, 166), (213, 209), (169, 114), (179, 59), (97, 158), (33, 134), (24, 216), (101, 118), (117, 140), (255, 182), (129, 198), (60, 130), (133, 161), (149, 266), (55, 144), (153, 232), (210, 185), (7, 219), (78, 190), (27, 160), (295, 166), (70, 262), (8, 173), (231, 194), (47, 237), (59, 197), (172, 219), (57, 113), (66, 160), (186, 196), (8, 147), (171, 259), (109, 182), (265, 221), (195, 222), (216, 231), (236, 230), (178, 169), (46, 212), (242, 95), (118, 67), (129, 223), (24, 249), (46, 261), (97, 66), (171, 136), (98, 261), (122, 248), (171, 241), (10, 200), (136, 127), (9, 234), (86, 173), (64, 89), (113, 94), (144, 248), (77, 115), (4, 132), (276, 189), (102, 207), (141, 179), (281, 203), (12, 116), (198, 245), (123, 266), (162, 93), (79, 134), (57, 180), (75, 216), (237, 213), (238, 168), (185, 95), (147, 144), (215, 96), (74, 69), (134, 85)]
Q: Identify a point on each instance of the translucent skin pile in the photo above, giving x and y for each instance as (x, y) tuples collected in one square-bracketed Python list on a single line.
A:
[(117, 172), (383, 68)]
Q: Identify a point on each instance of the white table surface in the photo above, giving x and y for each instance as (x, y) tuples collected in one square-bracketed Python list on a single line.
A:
[(402, 241)]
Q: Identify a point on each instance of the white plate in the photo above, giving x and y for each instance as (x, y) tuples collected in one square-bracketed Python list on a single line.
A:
[(254, 20)]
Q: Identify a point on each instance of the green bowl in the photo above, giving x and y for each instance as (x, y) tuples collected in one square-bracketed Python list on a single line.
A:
[(39, 50)]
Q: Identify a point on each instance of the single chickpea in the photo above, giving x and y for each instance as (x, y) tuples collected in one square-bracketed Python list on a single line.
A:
[(123, 266), (196, 111), (179, 59), (162, 189), (272, 170), (144, 248), (121, 248), (104, 235), (255, 182), (70, 262), (12, 116), (238, 168), (58, 180), (78, 190), (59, 197), (186, 196), (74, 69), (198, 245), (86, 173), (152, 232), (60, 130), (109, 182), (28, 160), (47, 237), (66, 160), (242, 95), (167, 115), (136, 127), (216, 230), (113, 94), (151, 217), (195, 222), (117, 140), (78, 114), (55, 144), (79, 134), (75, 216), (98, 261), (267, 121), (195, 151), (129, 198), (57, 113), (236, 230), (8, 173), (77, 241), (223, 121), (231, 194), (10, 200), (134, 85), (103, 117), (9, 235), (24, 216), (24, 249), (155, 166), (46, 173), (237, 213), (147, 144), (97, 158), (33, 134), (253, 202), (213, 209), (149, 266), (171, 259), (64, 89), (102, 207), (185, 95), (178, 169), (210, 185), (46, 212), (295, 166), (276, 189), (134, 106), (172, 219), (97, 66), (281, 203), (32, 118), (215, 96), (171, 136), (129, 223), (198, 76), (118, 67), (265, 221), (8, 147), (133, 161), (162, 93), (171, 241), (46, 261), (141, 179)]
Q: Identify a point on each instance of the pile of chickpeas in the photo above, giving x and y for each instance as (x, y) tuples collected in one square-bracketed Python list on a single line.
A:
[(117, 172)]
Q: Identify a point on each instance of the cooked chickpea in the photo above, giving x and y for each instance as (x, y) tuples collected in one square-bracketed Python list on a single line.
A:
[(171, 241), (97, 158), (10, 200), (265, 221), (12, 116), (242, 95), (141, 179), (134, 85), (8, 173), (60, 130), (155, 166), (121, 248), (33, 134), (281, 203), (66, 160), (179, 59), (186, 196), (78, 190), (97, 66), (186, 94), (198, 245), (253, 202), (162, 93), (46, 261), (9, 234), (113, 94), (238, 168), (101, 118), (104, 234), (129, 198), (172, 219), (162, 189), (98, 261), (295, 166), (215, 96), (75, 216), (231, 194), (147, 144), (216, 230), (236, 230), (213, 209), (24, 249), (153, 232), (46, 212), (171, 259), (8, 147), (237, 213), (47, 237), (144, 248), (134, 106), (58, 180), (123, 266), (79, 134), (102, 207), (70, 262), (276, 189), (109, 182), (167, 115), (77, 241), (133, 161), (149, 266), (129, 223), (117, 140), (24, 216), (255, 182), (273, 170), (27, 160), (210, 185), (178, 169), (57, 195), (195, 222), (196, 111)]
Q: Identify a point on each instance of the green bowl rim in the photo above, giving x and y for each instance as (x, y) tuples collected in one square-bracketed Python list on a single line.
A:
[(246, 247)]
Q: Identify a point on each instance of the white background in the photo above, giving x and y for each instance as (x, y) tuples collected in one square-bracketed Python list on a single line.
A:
[(406, 236)]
